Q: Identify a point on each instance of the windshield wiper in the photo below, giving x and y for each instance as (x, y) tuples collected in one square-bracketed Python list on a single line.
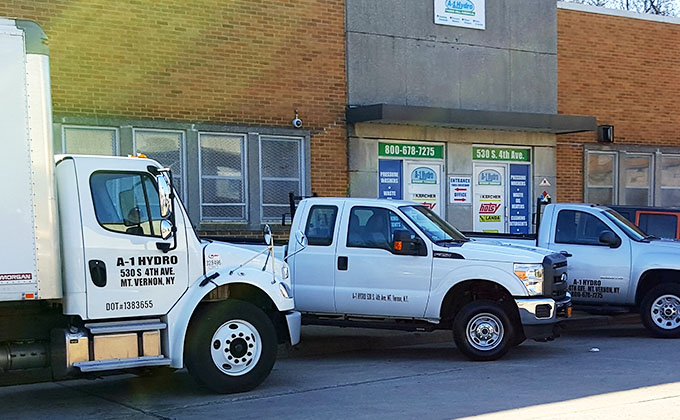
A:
[(650, 237), (450, 240)]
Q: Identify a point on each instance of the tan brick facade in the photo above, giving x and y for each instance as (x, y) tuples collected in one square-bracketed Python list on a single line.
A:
[(237, 62), (624, 71)]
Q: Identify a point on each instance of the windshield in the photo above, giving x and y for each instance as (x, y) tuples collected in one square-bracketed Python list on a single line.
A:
[(437, 229), (625, 225)]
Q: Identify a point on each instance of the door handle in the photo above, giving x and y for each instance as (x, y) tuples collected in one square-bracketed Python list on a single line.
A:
[(342, 263), (98, 272)]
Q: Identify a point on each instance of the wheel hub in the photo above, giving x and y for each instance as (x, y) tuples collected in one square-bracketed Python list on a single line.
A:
[(236, 347), (485, 331), (665, 312)]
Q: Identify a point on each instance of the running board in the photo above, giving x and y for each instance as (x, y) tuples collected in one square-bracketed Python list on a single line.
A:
[(125, 326), (114, 364), (417, 326)]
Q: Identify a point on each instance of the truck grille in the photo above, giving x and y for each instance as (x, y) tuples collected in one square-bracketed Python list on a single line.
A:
[(555, 286)]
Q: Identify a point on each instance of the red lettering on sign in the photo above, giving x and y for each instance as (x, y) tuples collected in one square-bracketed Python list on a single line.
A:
[(488, 208)]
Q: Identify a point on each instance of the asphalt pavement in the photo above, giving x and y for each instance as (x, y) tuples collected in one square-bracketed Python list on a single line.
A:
[(600, 368)]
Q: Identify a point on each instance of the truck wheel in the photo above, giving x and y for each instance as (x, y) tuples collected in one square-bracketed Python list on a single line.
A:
[(231, 346), (660, 310), (482, 330)]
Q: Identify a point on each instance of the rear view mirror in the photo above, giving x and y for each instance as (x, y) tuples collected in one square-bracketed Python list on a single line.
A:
[(267, 235), (166, 229), (164, 192)]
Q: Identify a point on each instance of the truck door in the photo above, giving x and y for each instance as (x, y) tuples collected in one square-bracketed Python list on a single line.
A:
[(126, 274), (597, 272), (369, 278), (314, 268)]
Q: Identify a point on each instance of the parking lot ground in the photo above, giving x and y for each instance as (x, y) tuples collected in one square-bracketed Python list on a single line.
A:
[(365, 374)]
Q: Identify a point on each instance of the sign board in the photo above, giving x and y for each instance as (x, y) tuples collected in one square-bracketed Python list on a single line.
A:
[(406, 150), (519, 199), (463, 13), (389, 179), (489, 199), (501, 154), (424, 185), (460, 189)]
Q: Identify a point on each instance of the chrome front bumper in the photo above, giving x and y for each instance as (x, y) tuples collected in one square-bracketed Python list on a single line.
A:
[(540, 315)]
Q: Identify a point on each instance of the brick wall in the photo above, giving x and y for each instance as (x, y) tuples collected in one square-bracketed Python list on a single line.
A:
[(235, 62), (624, 71)]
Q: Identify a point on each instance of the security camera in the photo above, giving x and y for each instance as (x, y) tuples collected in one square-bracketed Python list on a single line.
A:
[(297, 122)]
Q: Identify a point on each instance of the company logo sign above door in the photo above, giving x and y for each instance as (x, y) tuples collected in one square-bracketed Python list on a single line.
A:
[(489, 177), (423, 175)]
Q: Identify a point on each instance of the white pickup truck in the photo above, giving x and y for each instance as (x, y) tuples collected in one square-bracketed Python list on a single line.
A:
[(613, 265), (397, 265)]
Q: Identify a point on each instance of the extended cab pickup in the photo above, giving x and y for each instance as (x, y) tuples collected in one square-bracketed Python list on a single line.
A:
[(397, 265), (613, 265)]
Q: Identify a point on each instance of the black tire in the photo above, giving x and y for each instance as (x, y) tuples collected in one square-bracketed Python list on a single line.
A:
[(518, 338), (660, 310), (490, 319), (231, 323)]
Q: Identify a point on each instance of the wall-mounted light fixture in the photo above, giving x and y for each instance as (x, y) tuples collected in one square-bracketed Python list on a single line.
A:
[(605, 133)]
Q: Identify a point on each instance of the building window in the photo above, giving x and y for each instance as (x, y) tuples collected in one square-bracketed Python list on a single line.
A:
[(223, 180), (82, 140), (167, 148), (636, 179), (670, 181), (280, 174), (600, 177)]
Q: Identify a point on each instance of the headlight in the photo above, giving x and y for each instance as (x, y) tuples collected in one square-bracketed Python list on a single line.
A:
[(285, 291), (532, 277), (285, 273)]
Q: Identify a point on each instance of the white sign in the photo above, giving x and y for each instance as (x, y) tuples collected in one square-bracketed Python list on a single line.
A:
[(544, 183), (459, 189), (489, 200), (424, 184), (463, 13)]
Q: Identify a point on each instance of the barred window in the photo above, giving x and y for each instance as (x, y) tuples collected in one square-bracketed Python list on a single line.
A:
[(167, 148), (81, 140), (223, 180), (280, 174), (601, 178)]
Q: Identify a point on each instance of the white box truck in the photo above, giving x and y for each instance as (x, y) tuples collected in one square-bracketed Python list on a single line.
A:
[(100, 268)]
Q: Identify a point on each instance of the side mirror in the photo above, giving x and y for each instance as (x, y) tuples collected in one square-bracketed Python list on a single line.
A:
[(164, 192), (403, 244), (301, 239), (267, 235), (609, 238), (166, 229)]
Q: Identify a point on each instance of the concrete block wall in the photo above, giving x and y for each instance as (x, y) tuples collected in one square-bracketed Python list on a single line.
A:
[(398, 55)]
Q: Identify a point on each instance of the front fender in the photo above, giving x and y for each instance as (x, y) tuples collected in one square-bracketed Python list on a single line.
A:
[(179, 316), (450, 278)]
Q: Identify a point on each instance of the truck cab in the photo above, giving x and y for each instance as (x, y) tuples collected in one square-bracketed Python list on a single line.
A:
[(614, 265), (100, 268), (396, 264)]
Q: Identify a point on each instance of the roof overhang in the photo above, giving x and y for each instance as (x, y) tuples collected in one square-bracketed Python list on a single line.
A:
[(467, 118)]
